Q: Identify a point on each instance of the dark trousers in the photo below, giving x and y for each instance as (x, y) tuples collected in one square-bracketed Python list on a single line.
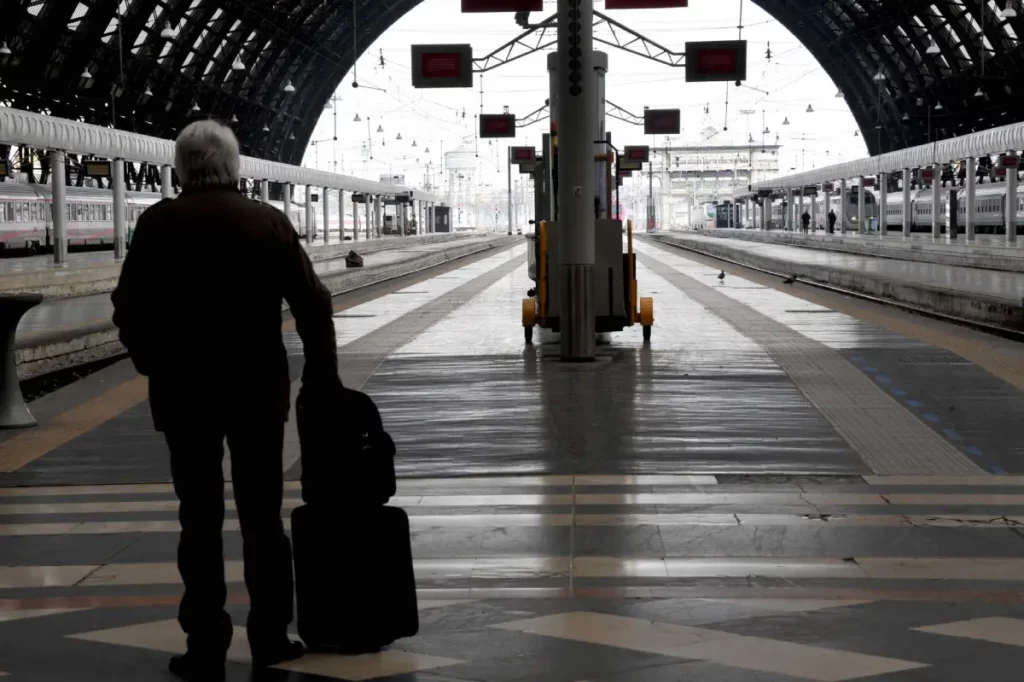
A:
[(196, 467)]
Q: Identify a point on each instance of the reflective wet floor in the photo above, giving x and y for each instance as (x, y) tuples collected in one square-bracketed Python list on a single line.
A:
[(783, 485)]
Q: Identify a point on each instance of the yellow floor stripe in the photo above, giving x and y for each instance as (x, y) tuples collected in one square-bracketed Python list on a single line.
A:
[(32, 444)]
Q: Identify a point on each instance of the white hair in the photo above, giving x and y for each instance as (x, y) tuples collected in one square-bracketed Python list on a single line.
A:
[(206, 154)]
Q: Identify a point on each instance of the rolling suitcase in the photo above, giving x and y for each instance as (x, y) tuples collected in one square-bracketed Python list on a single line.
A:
[(354, 582)]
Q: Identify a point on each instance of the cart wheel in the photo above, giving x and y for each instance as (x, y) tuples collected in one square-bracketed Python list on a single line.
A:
[(647, 333), (528, 334), (529, 312), (647, 311)]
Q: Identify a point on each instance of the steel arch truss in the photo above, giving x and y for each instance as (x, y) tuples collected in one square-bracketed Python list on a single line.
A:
[(231, 59), (855, 40)]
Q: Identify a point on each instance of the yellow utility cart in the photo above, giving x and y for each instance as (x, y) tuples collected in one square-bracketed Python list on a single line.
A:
[(615, 301)]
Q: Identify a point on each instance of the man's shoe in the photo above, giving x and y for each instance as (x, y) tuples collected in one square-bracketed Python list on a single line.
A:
[(288, 650), (192, 669)]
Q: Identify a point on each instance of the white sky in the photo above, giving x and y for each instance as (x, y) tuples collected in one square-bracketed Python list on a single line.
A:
[(432, 118)]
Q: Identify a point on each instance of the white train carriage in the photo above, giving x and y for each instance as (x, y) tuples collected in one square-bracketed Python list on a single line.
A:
[(989, 209), (26, 220), (778, 220)]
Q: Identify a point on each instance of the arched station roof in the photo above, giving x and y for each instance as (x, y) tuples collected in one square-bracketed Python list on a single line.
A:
[(233, 59)]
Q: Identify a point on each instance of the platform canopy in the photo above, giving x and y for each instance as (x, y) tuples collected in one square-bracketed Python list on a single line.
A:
[(275, 65)]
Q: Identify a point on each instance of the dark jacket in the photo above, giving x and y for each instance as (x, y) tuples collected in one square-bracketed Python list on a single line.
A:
[(199, 304)]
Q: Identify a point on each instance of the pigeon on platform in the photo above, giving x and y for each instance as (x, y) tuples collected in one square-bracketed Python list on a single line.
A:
[(721, 275), (789, 280)]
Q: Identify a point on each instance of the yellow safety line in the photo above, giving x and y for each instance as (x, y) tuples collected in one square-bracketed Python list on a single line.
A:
[(30, 445)]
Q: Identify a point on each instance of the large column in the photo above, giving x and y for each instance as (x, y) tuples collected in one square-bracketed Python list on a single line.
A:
[(552, 166), (120, 219), (907, 217), (814, 214), (371, 228), (1011, 200), (166, 182), (60, 208), (576, 91), (861, 201), (936, 228), (327, 215), (883, 204), (309, 214), (844, 201), (286, 199), (377, 216), (826, 207), (972, 178), (265, 191)]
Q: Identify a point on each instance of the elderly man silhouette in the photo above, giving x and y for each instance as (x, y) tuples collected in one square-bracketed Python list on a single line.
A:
[(198, 306)]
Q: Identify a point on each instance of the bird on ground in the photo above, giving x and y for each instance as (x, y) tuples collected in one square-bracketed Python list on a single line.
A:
[(721, 275), (789, 280)]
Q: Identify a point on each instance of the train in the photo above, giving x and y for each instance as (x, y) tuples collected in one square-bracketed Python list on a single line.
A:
[(777, 218), (26, 216)]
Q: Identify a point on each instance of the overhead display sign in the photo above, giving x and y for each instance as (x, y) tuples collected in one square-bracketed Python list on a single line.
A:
[(527, 168), (645, 4), (502, 5), (630, 165), (522, 155), (721, 60), (442, 66), (625, 173), (638, 153), (661, 121), (96, 169), (497, 125)]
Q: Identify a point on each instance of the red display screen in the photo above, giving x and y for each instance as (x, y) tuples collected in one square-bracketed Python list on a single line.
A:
[(441, 64), (625, 173), (661, 122), (497, 125), (502, 5), (717, 61), (645, 4), (637, 153), (523, 154)]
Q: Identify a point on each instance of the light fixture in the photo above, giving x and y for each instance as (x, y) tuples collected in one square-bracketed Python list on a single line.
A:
[(427, 151), (878, 77), (839, 94), (399, 136), (357, 119), (265, 128), (195, 106), (168, 33), (85, 73), (328, 105), (810, 109), (980, 92), (1008, 11), (906, 116), (751, 140), (933, 48), (938, 107), (786, 121), (148, 92), (4, 49), (380, 128), (856, 133), (766, 131), (237, 65), (291, 136), (234, 119), (288, 87), (414, 143)]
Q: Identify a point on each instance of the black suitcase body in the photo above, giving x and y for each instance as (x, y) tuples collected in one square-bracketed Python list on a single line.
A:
[(354, 581)]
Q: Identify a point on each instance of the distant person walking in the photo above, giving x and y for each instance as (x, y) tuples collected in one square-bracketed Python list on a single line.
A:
[(198, 306), (831, 222), (805, 219)]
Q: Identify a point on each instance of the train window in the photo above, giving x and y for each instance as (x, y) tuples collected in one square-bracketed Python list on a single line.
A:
[(3, 213)]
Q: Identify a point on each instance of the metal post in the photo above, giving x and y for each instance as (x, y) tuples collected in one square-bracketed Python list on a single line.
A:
[(286, 199), (802, 210), (814, 213), (576, 92), (327, 215), (120, 219), (936, 228), (377, 216), (60, 208), (309, 214), (906, 203), (883, 204), (552, 138), (166, 182), (862, 225), (844, 200), (371, 230), (1011, 200), (972, 178), (826, 208), (265, 191)]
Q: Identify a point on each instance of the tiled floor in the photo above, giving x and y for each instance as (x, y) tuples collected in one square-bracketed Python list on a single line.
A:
[(713, 506)]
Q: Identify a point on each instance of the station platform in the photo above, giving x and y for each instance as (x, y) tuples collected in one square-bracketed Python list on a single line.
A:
[(66, 331), (981, 295), (784, 484), (987, 252)]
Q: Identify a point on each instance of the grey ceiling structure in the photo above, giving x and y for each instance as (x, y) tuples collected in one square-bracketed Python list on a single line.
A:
[(111, 62)]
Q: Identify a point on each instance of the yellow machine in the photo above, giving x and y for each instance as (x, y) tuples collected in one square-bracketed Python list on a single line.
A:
[(616, 305)]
